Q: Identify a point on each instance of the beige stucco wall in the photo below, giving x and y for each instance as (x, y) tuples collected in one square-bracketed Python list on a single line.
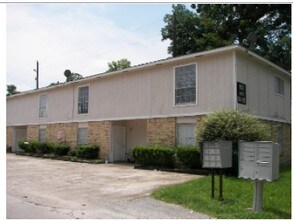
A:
[(261, 97), (139, 94)]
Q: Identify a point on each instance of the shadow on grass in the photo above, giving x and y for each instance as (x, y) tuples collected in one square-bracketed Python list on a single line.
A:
[(277, 212)]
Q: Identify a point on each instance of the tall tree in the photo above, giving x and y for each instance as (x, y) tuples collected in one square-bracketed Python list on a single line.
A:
[(118, 65), (11, 90), (265, 29)]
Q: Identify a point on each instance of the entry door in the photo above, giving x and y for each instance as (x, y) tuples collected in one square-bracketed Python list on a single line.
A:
[(19, 134), (118, 143)]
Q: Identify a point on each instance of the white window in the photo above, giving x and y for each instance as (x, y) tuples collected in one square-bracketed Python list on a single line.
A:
[(82, 136), (42, 135), (185, 134), (83, 100), (43, 106), (279, 86), (185, 84)]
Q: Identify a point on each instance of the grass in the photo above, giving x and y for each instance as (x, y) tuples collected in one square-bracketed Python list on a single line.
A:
[(237, 194)]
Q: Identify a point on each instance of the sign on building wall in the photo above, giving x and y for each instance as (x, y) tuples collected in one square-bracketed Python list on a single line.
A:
[(241, 93)]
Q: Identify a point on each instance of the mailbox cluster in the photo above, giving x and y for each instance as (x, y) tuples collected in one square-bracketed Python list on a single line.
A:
[(217, 154), (259, 160)]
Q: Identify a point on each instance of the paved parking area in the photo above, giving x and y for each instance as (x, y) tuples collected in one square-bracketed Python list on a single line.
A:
[(44, 188)]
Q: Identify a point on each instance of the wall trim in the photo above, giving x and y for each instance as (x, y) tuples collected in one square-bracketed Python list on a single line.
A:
[(140, 118)]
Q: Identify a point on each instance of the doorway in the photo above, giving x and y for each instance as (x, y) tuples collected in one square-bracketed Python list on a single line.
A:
[(19, 134), (118, 143)]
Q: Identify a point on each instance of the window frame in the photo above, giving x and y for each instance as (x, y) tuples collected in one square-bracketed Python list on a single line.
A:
[(45, 130), (177, 133), (79, 138), (277, 85), (44, 111), (196, 86), (78, 103)]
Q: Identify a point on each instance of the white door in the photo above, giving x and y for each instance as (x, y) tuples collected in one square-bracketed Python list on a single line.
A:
[(118, 143), (19, 134)]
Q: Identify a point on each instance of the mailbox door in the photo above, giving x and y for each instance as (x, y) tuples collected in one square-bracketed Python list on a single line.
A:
[(263, 162), (246, 160)]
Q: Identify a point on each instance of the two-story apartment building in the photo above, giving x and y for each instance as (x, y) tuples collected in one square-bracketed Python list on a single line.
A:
[(158, 102)]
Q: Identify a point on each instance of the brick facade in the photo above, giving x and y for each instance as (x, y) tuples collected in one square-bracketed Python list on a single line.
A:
[(9, 131), (63, 132), (99, 134), (32, 132), (161, 131)]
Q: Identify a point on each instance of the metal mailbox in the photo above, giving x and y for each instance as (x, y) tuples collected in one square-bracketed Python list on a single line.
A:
[(259, 160), (217, 154)]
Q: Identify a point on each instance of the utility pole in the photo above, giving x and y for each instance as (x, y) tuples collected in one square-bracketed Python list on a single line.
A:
[(37, 77)]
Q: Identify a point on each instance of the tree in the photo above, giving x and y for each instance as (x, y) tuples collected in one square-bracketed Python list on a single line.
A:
[(72, 76), (11, 90), (264, 29), (118, 65)]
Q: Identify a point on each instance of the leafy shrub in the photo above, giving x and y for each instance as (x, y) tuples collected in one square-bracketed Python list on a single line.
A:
[(8, 149), (28, 146), (88, 151), (233, 126), (72, 153), (23, 145), (44, 148), (154, 156), (33, 146), (59, 149), (189, 156)]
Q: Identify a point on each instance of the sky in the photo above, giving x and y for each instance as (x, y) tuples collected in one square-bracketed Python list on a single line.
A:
[(82, 37)]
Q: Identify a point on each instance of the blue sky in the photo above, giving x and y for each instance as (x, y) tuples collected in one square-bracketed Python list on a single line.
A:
[(80, 37)]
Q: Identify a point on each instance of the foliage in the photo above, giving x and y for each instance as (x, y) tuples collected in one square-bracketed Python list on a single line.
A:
[(189, 156), (238, 197), (118, 65), (11, 90), (23, 145), (8, 149), (59, 149), (87, 151), (70, 76), (154, 156), (263, 28), (232, 125), (44, 148)]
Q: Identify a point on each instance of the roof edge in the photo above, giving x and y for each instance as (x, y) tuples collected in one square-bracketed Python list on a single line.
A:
[(156, 63)]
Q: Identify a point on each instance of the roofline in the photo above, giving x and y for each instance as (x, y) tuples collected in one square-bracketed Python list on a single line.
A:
[(157, 63)]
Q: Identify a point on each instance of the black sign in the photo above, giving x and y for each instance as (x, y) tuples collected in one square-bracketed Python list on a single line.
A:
[(241, 93)]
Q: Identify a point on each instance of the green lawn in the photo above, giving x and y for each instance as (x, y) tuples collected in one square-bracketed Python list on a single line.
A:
[(237, 194)]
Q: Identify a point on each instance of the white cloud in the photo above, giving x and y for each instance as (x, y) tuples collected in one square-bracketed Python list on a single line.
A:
[(75, 38)]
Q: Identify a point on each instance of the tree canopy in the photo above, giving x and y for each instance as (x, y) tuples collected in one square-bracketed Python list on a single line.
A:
[(11, 90), (263, 28), (118, 65)]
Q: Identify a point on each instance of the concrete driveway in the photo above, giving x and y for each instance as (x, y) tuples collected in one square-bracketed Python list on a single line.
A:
[(44, 188)]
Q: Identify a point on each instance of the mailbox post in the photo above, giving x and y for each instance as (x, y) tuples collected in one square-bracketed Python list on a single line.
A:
[(258, 161), (217, 155)]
